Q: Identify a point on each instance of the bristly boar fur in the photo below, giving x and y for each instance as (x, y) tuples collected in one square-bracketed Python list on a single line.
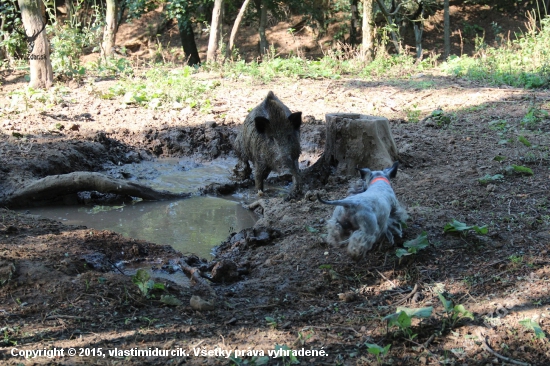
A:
[(270, 139)]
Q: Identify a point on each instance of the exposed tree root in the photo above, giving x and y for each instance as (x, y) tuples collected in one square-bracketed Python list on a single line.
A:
[(54, 187)]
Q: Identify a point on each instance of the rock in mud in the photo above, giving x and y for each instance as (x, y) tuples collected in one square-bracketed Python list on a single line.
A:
[(225, 271), (200, 304)]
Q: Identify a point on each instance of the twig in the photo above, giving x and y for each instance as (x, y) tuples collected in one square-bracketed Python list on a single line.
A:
[(59, 316), (490, 278), (328, 328), (504, 358), (114, 265), (386, 278), (408, 296)]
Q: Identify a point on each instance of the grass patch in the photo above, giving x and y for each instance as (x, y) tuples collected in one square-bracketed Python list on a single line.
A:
[(521, 63)]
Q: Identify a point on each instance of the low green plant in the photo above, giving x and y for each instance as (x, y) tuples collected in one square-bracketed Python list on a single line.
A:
[(142, 279), (516, 259), (271, 322), (533, 117), (379, 352), (160, 88), (456, 226), (413, 114), (454, 312), (440, 118), (534, 326), (518, 169), (413, 246), (524, 140), (403, 316), (490, 179)]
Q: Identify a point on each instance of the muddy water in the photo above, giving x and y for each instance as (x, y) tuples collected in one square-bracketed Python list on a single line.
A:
[(193, 225)]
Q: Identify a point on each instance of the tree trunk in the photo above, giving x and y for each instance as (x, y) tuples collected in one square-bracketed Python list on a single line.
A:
[(261, 29), (109, 33), (353, 24), (3, 53), (368, 31), (353, 140), (236, 26), (55, 187), (32, 13), (215, 31), (446, 30), (188, 42)]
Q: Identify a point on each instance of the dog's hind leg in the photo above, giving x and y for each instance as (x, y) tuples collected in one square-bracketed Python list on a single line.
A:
[(359, 244), (335, 232)]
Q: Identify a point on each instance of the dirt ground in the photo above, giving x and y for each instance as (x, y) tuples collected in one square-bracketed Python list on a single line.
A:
[(59, 288)]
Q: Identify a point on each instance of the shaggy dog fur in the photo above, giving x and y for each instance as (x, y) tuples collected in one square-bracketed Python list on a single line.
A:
[(367, 216)]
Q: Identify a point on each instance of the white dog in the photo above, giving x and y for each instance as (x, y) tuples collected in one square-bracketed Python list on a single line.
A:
[(369, 215)]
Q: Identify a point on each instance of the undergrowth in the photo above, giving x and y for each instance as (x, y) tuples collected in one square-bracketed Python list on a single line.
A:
[(523, 62)]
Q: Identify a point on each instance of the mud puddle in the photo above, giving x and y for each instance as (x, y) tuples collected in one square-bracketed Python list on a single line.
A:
[(175, 175), (194, 225)]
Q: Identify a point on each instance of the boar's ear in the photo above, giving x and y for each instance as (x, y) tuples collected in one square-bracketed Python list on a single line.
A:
[(262, 124), (392, 171), (296, 120), (365, 173)]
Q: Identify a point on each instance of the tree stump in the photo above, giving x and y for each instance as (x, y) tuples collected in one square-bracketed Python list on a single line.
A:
[(354, 140)]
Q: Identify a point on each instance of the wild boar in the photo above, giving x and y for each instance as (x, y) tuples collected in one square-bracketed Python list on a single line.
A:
[(270, 139)]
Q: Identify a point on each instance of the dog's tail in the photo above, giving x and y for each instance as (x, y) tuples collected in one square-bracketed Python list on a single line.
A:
[(336, 202)]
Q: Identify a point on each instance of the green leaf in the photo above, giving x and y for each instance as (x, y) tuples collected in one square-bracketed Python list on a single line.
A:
[(490, 178), (376, 350), (460, 227), (158, 286), (417, 312), (447, 304), (402, 252), (456, 226), (400, 319), (311, 229), (524, 141), (461, 311), (420, 242), (325, 266), (533, 325), (522, 169), (170, 300), (141, 276), (499, 158)]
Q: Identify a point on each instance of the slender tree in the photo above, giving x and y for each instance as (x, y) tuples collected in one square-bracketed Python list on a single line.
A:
[(109, 33), (368, 30), (215, 30), (446, 30), (236, 25), (263, 26), (187, 37), (32, 14), (353, 23)]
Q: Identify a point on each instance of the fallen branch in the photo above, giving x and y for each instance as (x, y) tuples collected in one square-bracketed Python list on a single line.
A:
[(54, 187), (195, 275), (411, 294), (386, 278), (504, 358)]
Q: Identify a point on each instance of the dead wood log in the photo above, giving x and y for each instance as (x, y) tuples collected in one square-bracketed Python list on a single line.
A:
[(53, 187), (354, 140)]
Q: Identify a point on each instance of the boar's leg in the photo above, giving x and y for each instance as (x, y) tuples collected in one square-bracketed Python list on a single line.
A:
[(242, 170), (262, 171)]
